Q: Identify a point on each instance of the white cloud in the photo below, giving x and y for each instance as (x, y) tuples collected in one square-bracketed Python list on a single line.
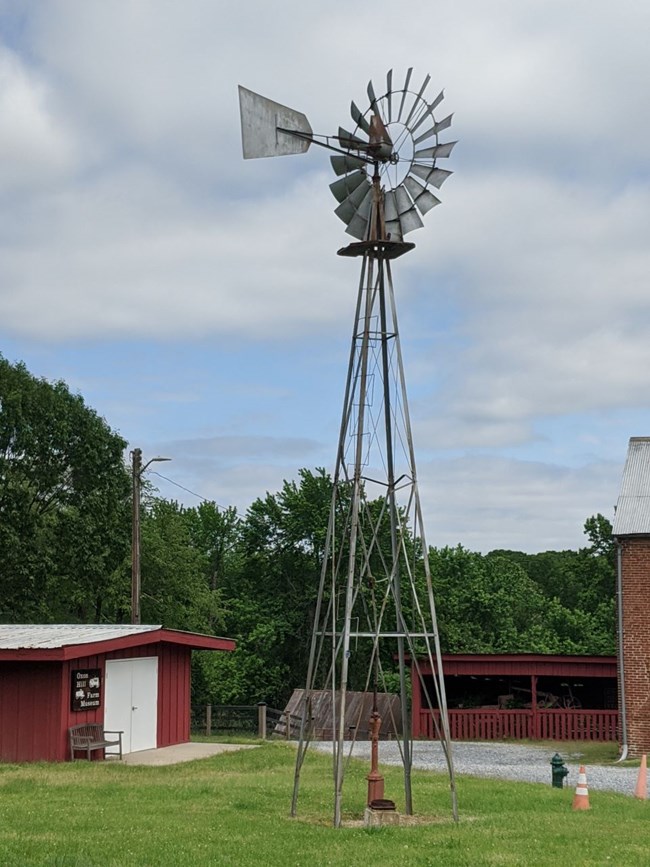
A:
[(554, 308), (486, 503), (223, 449), (129, 255), (35, 148), (131, 216)]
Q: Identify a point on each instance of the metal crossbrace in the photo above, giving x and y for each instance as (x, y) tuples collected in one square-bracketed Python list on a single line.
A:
[(357, 574)]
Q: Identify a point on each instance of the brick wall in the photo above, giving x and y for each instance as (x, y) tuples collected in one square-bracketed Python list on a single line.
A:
[(635, 581)]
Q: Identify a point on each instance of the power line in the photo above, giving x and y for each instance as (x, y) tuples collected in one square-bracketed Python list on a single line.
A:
[(182, 487)]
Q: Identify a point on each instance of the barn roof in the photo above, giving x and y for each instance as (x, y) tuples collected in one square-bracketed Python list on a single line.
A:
[(70, 640), (20, 635), (551, 665), (633, 507)]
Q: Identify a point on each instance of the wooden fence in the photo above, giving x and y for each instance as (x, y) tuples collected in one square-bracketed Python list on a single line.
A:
[(465, 725), (491, 725), (257, 720)]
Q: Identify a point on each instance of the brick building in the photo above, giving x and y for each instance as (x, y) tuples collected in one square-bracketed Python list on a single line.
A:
[(632, 533)]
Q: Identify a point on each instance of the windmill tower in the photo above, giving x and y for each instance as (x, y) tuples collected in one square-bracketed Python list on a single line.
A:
[(375, 598)]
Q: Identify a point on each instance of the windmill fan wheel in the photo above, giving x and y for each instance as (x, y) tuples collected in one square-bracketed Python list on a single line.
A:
[(398, 135)]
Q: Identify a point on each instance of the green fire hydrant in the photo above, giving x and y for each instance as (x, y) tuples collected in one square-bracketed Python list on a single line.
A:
[(558, 771)]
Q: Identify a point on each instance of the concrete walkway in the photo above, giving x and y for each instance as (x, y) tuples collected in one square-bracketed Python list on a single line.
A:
[(181, 753)]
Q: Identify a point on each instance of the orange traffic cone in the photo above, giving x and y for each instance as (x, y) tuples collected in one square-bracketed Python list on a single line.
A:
[(641, 790), (581, 797)]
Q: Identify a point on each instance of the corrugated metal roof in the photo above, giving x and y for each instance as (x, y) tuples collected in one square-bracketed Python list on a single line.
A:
[(18, 636), (633, 507)]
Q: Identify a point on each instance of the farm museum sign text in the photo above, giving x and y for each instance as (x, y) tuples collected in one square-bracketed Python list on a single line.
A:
[(86, 689)]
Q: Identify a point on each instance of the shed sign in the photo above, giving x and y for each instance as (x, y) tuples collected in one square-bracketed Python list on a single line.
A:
[(86, 689)]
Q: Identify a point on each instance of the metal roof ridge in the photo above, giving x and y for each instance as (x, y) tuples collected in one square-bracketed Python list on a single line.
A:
[(60, 635)]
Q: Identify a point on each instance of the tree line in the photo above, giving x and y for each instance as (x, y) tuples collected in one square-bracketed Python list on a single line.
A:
[(65, 543)]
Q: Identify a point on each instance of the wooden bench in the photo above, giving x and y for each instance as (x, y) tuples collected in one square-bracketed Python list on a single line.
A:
[(92, 736)]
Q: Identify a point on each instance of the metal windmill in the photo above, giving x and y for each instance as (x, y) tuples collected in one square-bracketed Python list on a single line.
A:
[(375, 591)]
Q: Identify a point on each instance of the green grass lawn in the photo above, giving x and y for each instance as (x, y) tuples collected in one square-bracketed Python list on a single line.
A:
[(233, 809)]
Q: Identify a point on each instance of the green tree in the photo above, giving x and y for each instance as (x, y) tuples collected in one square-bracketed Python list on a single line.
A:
[(176, 586), (598, 530), (492, 604), (487, 604), (64, 504), (186, 556), (270, 590), (578, 588), (269, 586), (215, 532)]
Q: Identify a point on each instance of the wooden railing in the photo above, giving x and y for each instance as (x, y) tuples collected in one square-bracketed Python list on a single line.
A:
[(557, 725), (244, 719)]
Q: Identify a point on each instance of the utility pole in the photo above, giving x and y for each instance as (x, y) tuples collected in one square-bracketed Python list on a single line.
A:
[(136, 472), (136, 476)]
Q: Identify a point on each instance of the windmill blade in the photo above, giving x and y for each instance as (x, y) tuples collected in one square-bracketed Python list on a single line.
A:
[(359, 200), (350, 141), (424, 200), (358, 118), (400, 215), (389, 93), (445, 123), (431, 107), (342, 188), (342, 164), (404, 92), (394, 230), (410, 221), (390, 207), (359, 218), (417, 100), (371, 95), (261, 121), (441, 150), (358, 227), (436, 102), (434, 177), (403, 201)]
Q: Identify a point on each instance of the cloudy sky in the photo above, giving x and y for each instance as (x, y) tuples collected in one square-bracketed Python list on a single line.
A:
[(196, 300)]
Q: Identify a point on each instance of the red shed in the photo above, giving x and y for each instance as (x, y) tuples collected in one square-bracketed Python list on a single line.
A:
[(134, 679)]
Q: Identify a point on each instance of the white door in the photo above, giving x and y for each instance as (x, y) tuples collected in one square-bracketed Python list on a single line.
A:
[(131, 701)]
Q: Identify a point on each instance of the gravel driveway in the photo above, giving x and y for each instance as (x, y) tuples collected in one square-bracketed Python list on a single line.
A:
[(501, 761)]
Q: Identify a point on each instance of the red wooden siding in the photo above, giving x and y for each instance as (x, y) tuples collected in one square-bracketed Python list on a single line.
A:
[(173, 695), (30, 701), (488, 725)]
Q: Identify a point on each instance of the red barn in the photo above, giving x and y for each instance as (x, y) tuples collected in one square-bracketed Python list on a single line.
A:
[(520, 695), (134, 679)]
